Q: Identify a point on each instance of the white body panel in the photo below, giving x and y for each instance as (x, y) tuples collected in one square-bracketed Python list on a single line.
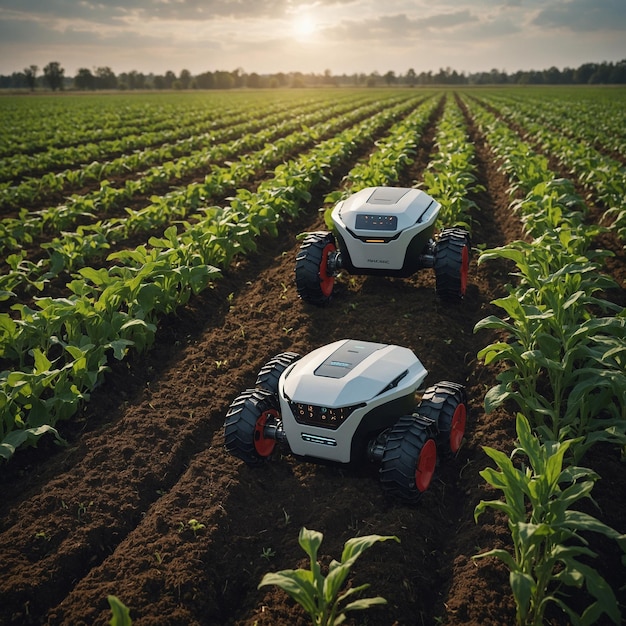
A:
[(348, 378), (378, 224)]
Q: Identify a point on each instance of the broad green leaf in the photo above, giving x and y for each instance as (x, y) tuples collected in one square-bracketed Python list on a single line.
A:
[(148, 295), (298, 584), (523, 587), (355, 546), (121, 613), (532, 533), (42, 363), (584, 522), (498, 553), (310, 541), (120, 348), (364, 603), (498, 505), (492, 321), (333, 582), (98, 277), (17, 438), (495, 397), (600, 589), (529, 443)]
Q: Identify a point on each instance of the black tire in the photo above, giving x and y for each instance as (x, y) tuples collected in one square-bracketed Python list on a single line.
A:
[(452, 255), (243, 426), (409, 459), (314, 282), (270, 373), (446, 404)]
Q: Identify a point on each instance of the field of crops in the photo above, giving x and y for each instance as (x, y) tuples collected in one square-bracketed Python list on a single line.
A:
[(147, 250)]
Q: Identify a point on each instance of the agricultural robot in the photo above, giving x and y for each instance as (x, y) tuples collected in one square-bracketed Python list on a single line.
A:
[(385, 231), (348, 402)]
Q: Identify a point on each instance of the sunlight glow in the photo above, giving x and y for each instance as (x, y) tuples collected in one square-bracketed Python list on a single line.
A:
[(303, 26)]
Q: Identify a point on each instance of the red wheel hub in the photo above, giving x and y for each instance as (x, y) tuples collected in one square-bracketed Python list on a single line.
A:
[(262, 444), (327, 281), (457, 428), (426, 465)]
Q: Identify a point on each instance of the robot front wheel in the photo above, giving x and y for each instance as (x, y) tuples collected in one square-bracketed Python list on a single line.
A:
[(315, 278), (245, 434), (446, 404), (409, 459), (451, 263), (410, 449)]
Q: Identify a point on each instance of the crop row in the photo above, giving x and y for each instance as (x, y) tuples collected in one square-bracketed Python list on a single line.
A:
[(118, 126), (15, 232), (70, 122), (20, 166), (236, 125), (49, 183), (558, 330), (601, 123), (71, 250), (44, 123), (601, 175), (451, 173)]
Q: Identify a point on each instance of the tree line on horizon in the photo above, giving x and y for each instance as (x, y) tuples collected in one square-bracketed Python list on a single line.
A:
[(103, 78)]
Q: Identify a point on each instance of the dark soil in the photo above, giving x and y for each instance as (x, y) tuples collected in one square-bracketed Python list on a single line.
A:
[(109, 513)]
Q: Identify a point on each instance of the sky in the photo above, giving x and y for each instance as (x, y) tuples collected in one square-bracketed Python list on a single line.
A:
[(343, 36)]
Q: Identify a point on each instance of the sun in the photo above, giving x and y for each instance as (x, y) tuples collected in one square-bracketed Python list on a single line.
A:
[(303, 26)]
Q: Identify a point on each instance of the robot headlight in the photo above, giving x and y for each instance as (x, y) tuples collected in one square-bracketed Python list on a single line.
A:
[(324, 417)]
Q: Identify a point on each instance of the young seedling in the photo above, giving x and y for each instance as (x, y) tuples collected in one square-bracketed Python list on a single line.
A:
[(320, 596), (287, 517), (196, 526), (82, 510), (268, 553), (42, 534)]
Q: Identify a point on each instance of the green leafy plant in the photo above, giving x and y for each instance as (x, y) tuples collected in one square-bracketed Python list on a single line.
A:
[(196, 526), (546, 532), (565, 346), (320, 595), (268, 553), (121, 613)]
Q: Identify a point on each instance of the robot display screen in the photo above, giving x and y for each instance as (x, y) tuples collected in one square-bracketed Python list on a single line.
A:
[(376, 222)]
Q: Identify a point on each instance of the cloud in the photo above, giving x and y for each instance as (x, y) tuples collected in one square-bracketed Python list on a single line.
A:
[(445, 28), (583, 15), (347, 35), (441, 21), (111, 11), (52, 10)]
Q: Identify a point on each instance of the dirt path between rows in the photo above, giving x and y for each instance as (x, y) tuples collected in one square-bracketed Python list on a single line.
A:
[(110, 513)]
